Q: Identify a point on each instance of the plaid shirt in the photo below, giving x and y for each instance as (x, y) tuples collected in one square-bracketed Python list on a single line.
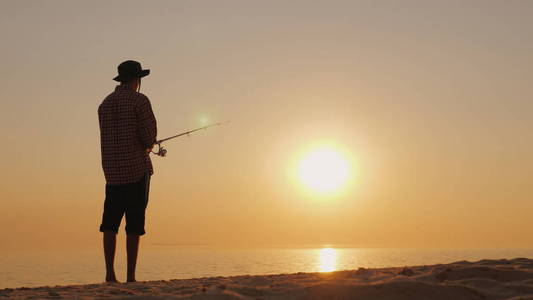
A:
[(127, 128)]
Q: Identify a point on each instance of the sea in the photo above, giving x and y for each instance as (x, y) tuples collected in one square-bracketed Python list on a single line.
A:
[(51, 268)]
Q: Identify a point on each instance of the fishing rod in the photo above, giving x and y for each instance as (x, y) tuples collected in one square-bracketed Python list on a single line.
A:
[(163, 152)]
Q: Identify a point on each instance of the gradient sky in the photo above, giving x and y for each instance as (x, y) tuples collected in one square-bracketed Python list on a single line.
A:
[(431, 101)]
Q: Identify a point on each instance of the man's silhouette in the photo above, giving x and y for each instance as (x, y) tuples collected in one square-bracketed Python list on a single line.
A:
[(127, 133)]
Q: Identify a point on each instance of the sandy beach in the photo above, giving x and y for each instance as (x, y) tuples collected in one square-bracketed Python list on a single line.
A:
[(485, 279)]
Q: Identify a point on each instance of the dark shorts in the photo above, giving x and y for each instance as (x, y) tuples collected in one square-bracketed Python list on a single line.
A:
[(130, 199)]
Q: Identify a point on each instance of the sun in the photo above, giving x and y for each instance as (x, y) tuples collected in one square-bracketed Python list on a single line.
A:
[(323, 170)]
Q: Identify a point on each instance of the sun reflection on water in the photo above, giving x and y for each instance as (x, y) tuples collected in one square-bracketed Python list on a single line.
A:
[(327, 260)]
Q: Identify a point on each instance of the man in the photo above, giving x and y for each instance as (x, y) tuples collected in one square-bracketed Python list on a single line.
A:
[(127, 134)]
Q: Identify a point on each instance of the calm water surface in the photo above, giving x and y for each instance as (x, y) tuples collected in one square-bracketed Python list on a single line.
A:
[(60, 268)]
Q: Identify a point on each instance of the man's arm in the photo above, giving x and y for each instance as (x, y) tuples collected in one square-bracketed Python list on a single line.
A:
[(146, 123)]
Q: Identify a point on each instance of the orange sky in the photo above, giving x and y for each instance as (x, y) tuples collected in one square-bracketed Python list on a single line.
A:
[(431, 102)]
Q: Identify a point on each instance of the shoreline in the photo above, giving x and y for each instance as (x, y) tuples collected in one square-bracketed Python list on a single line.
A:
[(484, 279)]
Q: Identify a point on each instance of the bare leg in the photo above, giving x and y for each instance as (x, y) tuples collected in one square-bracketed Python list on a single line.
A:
[(110, 241), (132, 248)]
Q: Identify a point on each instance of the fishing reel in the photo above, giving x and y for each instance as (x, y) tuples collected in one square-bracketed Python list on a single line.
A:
[(160, 150)]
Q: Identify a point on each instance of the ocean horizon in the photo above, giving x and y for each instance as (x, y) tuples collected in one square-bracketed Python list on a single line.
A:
[(67, 267)]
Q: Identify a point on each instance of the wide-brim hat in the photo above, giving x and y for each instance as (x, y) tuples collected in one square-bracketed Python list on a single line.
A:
[(130, 69)]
